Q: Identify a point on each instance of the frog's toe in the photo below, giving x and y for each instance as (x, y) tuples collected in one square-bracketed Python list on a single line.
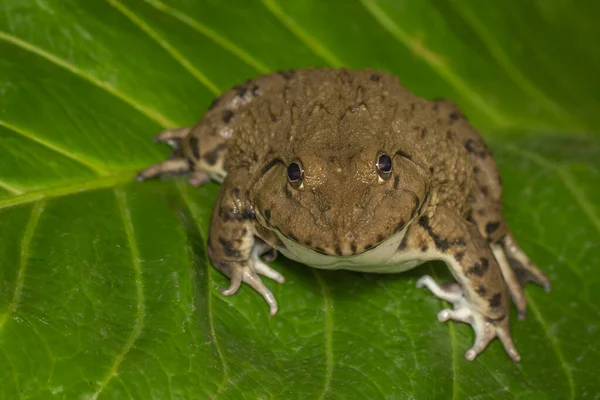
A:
[(174, 166), (486, 329), (172, 136), (485, 332), (450, 292), (249, 275), (462, 315), (263, 269), (524, 268), (198, 178)]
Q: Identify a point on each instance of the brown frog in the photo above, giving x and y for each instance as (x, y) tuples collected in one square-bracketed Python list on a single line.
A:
[(342, 169)]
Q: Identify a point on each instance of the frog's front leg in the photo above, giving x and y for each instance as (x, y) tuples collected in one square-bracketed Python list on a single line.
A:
[(481, 296), (232, 245)]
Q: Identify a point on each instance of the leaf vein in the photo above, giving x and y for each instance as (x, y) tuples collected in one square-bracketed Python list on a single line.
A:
[(55, 148), (328, 309), (34, 217), (211, 34), (567, 179), (184, 195), (65, 190), (138, 324), (147, 111), (434, 62), (504, 61), (183, 61), (553, 343), (10, 188), (301, 34)]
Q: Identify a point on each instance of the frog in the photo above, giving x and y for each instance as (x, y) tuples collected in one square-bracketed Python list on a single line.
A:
[(343, 169)]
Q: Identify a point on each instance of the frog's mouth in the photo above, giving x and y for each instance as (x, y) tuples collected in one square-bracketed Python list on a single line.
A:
[(378, 255)]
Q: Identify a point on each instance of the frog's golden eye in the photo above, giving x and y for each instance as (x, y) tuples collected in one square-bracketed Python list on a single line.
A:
[(295, 173), (384, 166)]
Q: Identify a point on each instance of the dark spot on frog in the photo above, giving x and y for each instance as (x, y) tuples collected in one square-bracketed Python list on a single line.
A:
[(495, 320), (481, 212), (240, 90), (459, 256), (441, 244), (481, 290), (338, 251), (368, 247), (214, 103), (353, 247), (320, 250), (495, 300), (403, 154), (308, 243), (380, 238), (417, 205), (287, 75), (226, 116), (431, 169), (491, 227), (485, 191), (476, 170), (396, 181), (287, 192), (193, 142), (269, 165), (455, 116), (424, 248), (233, 214), (478, 269), (292, 236), (403, 243), (212, 156), (229, 249), (399, 226), (476, 147), (450, 135), (255, 91), (375, 78), (423, 132), (268, 214), (235, 192), (244, 231)]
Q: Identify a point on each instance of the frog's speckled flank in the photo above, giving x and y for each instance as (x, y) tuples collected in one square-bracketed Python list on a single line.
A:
[(344, 169)]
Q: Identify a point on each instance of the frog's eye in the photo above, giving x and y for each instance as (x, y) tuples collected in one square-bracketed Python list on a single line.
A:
[(384, 166), (295, 173)]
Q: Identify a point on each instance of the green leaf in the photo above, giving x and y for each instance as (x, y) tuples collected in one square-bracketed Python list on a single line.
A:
[(105, 286)]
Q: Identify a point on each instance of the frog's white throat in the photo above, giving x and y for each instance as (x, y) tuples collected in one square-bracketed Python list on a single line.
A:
[(377, 259)]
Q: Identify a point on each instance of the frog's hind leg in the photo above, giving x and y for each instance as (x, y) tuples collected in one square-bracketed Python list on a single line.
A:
[(525, 270)]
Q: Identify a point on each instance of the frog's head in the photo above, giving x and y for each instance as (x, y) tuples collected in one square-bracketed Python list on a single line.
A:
[(341, 192)]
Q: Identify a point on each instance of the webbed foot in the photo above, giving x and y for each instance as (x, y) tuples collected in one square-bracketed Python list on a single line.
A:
[(486, 329)]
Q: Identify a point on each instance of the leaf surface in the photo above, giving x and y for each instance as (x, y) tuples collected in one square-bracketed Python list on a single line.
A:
[(105, 286)]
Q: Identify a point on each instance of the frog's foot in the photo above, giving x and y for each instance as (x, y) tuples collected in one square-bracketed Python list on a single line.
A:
[(485, 329), (249, 273), (177, 164), (525, 270), (174, 166)]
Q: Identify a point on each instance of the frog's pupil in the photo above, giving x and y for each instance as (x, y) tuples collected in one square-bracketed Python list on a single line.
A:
[(384, 163), (294, 172)]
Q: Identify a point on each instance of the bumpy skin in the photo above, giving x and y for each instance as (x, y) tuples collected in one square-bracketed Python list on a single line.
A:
[(442, 199)]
